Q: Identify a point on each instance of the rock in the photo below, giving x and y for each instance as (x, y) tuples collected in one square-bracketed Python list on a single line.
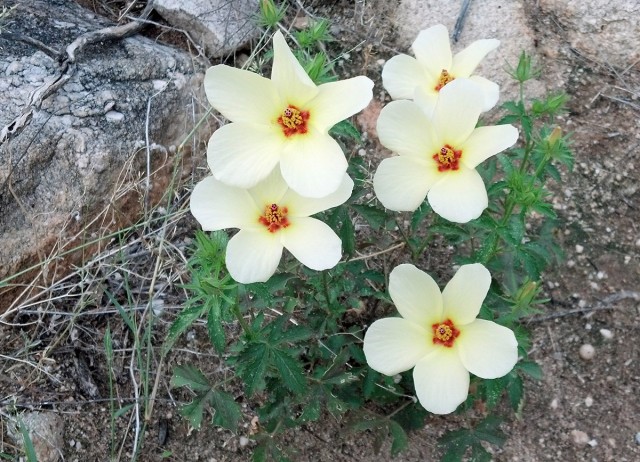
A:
[(45, 430), (608, 32), (76, 155), (587, 351), (220, 26), (498, 19), (579, 437), (606, 334)]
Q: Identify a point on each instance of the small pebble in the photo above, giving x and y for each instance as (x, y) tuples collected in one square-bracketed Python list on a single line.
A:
[(587, 351), (588, 401), (114, 116), (592, 443), (579, 248), (243, 441), (579, 437), (554, 403), (606, 334)]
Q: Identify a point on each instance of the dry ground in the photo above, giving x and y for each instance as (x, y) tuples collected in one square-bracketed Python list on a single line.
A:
[(53, 358)]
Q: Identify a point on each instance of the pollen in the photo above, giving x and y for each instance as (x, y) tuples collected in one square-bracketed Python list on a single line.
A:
[(293, 121), (274, 218), (444, 333), (447, 158), (444, 79)]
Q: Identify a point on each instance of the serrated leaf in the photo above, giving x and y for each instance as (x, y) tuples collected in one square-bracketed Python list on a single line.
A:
[(311, 411), (345, 129), (399, 439), (374, 216), (493, 391), (194, 410), (347, 234), (488, 431), (295, 334), (515, 390), (252, 365), (227, 411), (214, 326), (369, 383), (181, 324), (189, 376), (531, 368), (290, 371), (419, 215)]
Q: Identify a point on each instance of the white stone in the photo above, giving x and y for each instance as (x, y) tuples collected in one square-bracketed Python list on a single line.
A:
[(579, 248), (114, 116), (244, 441), (588, 401), (579, 437), (606, 334), (587, 351)]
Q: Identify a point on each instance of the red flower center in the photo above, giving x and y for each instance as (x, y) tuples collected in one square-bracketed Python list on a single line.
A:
[(293, 120), (447, 158), (444, 79), (444, 333), (274, 217)]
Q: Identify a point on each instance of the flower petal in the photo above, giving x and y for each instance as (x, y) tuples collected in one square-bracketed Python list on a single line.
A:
[(241, 154), (427, 99), (459, 196), (394, 345), (401, 75), (487, 349), (416, 295), (253, 256), (485, 142), (289, 77), (338, 100), (241, 96), (466, 61), (313, 164), (401, 183), (404, 128), (490, 90), (441, 381), (269, 191), (457, 111), (465, 292), (218, 206), (312, 242), (433, 50), (300, 206)]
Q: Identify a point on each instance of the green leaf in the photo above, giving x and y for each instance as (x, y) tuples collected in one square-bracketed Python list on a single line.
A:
[(345, 129), (194, 410), (374, 216), (488, 431), (214, 326), (252, 365), (399, 438), (181, 324), (290, 371), (531, 368), (347, 233), (123, 410), (228, 412), (26, 441), (515, 390), (311, 411), (189, 376)]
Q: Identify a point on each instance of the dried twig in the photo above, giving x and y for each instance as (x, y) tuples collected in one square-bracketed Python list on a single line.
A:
[(605, 304)]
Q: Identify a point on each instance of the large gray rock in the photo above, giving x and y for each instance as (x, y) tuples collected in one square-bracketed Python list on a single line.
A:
[(218, 26), (605, 31), (72, 156)]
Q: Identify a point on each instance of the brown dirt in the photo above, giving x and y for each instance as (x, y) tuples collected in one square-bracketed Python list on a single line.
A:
[(595, 288)]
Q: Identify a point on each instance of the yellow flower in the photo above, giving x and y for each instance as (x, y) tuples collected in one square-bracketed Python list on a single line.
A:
[(282, 121), (271, 217), (439, 336), (434, 67), (438, 151)]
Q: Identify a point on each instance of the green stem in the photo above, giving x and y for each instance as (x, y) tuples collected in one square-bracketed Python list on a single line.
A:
[(243, 323)]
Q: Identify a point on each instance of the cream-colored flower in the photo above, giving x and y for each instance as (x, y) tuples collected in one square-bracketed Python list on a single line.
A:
[(271, 217), (439, 336), (281, 121), (434, 66), (438, 153)]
